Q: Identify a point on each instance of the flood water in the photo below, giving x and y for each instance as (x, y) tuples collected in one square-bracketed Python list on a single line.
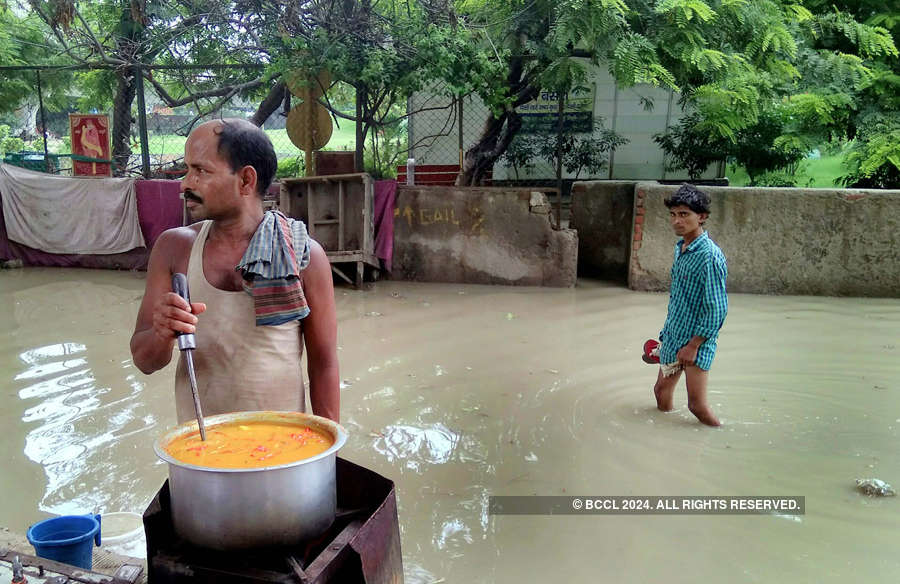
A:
[(461, 392)]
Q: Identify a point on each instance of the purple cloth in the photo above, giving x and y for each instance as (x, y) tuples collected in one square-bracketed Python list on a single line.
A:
[(159, 208), (385, 200)]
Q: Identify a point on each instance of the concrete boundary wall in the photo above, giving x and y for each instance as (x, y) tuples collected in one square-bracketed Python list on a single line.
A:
[(824, 242), (480, 236)]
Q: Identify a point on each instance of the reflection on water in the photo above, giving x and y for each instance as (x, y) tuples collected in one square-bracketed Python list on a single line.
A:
[(458, 393), (77, 417), (77, 424), (417, 447)]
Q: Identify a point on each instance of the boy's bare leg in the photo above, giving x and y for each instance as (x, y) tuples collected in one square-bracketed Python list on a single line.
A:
[(696, 379), (664, 389)]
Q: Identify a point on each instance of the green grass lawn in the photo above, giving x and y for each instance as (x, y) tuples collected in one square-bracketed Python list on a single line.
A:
[(813, 172), (343, 138)]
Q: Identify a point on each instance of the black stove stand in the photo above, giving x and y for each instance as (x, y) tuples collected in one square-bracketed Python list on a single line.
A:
[(361, 546)]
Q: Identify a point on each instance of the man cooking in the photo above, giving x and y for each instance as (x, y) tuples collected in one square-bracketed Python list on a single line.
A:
[(260, 288)]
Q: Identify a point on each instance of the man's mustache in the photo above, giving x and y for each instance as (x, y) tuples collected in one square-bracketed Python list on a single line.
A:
[(188, 195)]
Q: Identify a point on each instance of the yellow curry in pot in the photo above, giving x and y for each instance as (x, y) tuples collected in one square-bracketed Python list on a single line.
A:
[(250, 445)]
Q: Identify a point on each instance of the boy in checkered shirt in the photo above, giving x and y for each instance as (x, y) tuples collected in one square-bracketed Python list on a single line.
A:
[(698, 304)]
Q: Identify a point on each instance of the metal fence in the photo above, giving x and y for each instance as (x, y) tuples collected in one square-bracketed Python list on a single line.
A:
[(563, 137), (597, 131), (557, 142), (39, 138), (442, 129)]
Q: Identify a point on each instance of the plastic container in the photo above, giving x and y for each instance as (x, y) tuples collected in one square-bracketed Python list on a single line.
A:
[(410, 171), (123, 534), (69, 539)]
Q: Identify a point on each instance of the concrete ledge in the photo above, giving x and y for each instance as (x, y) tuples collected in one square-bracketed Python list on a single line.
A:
[(824, 242), (481, 236)]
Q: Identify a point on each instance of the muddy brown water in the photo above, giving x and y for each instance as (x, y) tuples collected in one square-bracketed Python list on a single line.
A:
[(461, 392)]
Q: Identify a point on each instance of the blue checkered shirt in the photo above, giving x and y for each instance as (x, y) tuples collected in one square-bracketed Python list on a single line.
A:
[(697, 300)]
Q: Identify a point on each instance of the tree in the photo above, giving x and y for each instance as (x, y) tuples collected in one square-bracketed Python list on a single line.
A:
[(756, 148), (730, 60), (690, 148), (873, 112), (123, 37), (23, 42), (385, 51), (588, 152), (533, 46)]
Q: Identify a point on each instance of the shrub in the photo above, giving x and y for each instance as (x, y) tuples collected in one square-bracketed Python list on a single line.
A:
[(291, 167)]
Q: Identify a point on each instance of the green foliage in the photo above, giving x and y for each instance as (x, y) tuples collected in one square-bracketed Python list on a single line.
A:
[(12, 144), (821, 67), (633, 61), (97, 88), (735, 62), (9, 143), (789, 77), (871, 29), (872, 41), (385, 51), (520, 154), (23, 41), (888, 20), (799, 12), (291, 167), (760, 148), (587, 153), (727, 107), (883, 85), (775, 178), (776, 40), (873, 159), (681, 12), (385, 147), (690, 148)]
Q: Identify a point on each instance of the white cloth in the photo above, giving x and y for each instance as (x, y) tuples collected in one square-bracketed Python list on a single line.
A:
[(670, 369), (60, 214)]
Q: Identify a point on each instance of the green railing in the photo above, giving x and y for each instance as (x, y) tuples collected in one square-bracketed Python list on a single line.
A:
[(36, 160)]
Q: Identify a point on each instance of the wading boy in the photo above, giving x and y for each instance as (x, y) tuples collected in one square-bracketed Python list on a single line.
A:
[(697, 305)]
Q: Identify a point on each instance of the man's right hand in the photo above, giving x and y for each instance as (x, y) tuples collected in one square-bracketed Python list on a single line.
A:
[(172, 315), (163, 313)]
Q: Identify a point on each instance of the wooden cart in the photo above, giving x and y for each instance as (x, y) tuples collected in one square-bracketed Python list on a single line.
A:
[(337, 210)]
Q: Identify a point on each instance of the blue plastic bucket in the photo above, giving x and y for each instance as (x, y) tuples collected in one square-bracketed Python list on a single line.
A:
[(69, 539)]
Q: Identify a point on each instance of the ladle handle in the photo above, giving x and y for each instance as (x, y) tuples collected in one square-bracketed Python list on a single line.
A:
[(180, 287)]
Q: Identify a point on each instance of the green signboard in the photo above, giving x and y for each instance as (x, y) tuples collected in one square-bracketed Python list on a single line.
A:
[(541, 115)]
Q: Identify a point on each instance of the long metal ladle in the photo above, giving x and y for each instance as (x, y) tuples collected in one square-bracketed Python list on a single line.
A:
[(187, 343)]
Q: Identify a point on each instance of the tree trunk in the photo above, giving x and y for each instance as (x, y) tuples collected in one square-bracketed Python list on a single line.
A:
[(268, 106), (127, 49), (498, 132), (480, 157), (126, 89), (359, 158)]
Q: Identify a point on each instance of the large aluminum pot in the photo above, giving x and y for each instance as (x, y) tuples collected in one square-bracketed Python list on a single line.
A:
[(229, 509)]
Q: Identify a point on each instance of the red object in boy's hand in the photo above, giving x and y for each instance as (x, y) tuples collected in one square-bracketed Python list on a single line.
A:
[(650, 355)]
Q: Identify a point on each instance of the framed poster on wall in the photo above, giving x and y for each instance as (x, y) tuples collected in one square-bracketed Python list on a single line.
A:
[(90, 138)]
